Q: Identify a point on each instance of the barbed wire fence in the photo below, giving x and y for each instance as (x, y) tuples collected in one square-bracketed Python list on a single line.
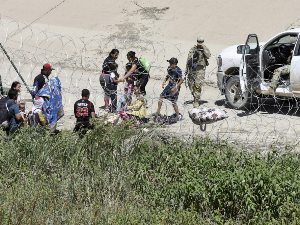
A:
[(267, 123)]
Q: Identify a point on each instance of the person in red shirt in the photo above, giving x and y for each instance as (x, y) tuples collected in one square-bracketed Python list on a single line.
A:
[(83, 110)]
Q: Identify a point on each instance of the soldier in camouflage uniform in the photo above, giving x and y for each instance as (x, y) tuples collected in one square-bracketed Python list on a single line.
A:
[(195, 67), (283, 70)]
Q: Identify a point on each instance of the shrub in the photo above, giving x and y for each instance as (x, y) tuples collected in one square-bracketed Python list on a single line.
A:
[(125, 176)]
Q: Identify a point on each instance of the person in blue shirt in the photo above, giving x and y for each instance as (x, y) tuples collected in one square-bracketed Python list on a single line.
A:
[(171, 91), (14, 111)]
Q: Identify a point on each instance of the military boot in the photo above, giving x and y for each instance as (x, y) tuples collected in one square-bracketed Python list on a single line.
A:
[(196, 102)]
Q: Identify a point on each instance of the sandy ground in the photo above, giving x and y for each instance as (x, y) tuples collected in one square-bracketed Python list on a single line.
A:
[(75, 37)]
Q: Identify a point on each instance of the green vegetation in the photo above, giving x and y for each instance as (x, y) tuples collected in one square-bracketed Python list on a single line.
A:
[(117, 175)]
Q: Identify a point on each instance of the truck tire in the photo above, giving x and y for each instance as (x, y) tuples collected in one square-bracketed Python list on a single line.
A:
[(233, 93)]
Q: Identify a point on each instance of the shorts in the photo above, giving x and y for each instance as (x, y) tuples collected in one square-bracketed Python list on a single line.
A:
[(168, 94)]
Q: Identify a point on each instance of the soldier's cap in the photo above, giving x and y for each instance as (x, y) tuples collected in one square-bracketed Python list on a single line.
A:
[(173, 60), (47, 66), (200, 40)]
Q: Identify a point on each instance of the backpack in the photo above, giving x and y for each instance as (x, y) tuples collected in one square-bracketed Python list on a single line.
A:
[(145, 63), (5, 116)]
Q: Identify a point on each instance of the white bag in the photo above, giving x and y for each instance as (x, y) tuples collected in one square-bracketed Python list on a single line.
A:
[(207, 115)]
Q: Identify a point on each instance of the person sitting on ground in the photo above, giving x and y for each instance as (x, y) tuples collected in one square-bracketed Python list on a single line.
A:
[(38, 116), (138, 108), (83, 110), (171, 91), (23, 112), (14, 111), (109, 84), (42, 79)]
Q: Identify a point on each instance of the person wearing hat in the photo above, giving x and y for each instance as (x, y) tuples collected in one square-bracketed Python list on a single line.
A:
[(171, 91), (195, 68), (41, 80)]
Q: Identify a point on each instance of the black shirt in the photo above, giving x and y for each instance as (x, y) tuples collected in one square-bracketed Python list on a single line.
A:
[(105, 66), (140, 70), (40, 81), (82, 110)]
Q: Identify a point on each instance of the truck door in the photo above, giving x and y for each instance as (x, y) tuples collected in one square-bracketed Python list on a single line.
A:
[(295, 69), (249, 66)]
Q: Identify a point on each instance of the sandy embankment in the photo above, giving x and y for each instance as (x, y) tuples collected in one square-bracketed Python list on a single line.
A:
[(171, 27)]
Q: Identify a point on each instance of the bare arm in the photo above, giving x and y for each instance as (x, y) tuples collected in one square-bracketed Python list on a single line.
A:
[(180, 82), (115, 80), (165, 80), (93, 114), (128, 73)]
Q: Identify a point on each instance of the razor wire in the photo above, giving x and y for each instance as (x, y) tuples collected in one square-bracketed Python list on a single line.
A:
[(267, 123)]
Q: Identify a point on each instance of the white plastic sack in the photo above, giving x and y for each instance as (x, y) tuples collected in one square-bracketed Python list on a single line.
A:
[(207, 115)]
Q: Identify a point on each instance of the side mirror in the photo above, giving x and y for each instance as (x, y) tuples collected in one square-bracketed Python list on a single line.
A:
[(240, 49)]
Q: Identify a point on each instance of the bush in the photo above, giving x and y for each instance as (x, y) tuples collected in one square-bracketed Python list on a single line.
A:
[(122, 176)]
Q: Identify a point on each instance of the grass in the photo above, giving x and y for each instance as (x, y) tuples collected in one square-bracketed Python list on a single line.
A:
[(117, 175)]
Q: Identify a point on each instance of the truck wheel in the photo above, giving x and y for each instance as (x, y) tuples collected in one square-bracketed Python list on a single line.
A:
[(233, 93)]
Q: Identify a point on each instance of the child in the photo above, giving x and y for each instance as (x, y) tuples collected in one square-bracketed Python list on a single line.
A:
[(109, 84), (83, 110), (38, 116), (128, 90), (171, 91), (138, 107), (23, 112)]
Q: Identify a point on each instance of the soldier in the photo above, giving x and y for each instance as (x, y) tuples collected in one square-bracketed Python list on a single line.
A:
[(283, 70), (195, 68)]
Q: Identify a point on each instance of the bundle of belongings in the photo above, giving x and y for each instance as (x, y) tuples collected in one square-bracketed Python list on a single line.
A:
[(207, 115), (167, 120)]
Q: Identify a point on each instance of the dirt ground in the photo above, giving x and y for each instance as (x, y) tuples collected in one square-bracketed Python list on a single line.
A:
[(75, 38)]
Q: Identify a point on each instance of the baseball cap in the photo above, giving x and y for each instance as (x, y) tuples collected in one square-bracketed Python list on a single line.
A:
[(173, 60), (200, 40), (47, 67)]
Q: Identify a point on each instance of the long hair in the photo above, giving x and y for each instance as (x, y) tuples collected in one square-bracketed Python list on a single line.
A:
[(113, 51), (131, 54), (14, 84)]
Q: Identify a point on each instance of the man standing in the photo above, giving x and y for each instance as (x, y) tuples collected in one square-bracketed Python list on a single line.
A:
[(83, 110), (41, 80), (195, 66)]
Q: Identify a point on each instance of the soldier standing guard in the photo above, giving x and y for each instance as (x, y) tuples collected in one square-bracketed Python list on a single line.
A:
[(195, 68)]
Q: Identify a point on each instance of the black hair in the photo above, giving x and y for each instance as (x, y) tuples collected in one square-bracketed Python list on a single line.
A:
[(14, 84), (113, 51), (85, 93), (113, 66), (136, 86), (131, 54), (12, 93), (128, 65)]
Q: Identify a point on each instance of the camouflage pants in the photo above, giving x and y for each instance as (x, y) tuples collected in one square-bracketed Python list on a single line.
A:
[(277, 73), (195, 82)]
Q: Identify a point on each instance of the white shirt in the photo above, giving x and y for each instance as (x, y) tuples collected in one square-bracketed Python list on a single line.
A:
[(112, 75)]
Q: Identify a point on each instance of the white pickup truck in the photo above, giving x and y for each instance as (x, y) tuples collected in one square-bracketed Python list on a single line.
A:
[(247, 71)]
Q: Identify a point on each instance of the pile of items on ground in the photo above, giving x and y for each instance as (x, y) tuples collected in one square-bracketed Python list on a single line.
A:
[(207, 115)]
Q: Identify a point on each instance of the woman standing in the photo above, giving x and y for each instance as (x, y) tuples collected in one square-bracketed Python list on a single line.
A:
[(137, 68), (113, 55)]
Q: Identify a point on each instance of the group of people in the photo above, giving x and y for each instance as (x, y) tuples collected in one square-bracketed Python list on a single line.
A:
[(46, 93), (47, 104), (135, 72)]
